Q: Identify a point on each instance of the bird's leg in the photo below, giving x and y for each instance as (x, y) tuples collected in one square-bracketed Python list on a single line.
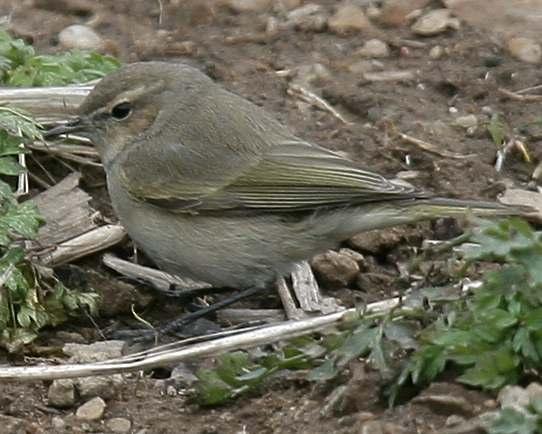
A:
[(179, 323), (177, 326)]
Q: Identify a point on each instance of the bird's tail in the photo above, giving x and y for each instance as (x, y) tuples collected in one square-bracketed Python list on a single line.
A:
[(443, 207), (380, 215)]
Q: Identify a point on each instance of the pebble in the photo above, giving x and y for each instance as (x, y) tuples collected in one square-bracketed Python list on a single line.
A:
[(58, 423), (335, 270), (314, 73), (525, 49), (436, 52), (454, 420), (534, 390), (446, 403), (89, 387), (96, 352), (80, 37), (397, 12), (513, 396), (347, 19), (119, 425), (467, 121), (308, 18), (183, 376), (381, 427), (435, 22), (12, 425), (289, 4), (375, 242), (61, 393), (91, 410), (391, 75), (241, 6), (356, 256), (374, 48)]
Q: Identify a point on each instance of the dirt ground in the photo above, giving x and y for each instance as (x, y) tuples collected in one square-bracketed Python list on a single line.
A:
[(235, 49)]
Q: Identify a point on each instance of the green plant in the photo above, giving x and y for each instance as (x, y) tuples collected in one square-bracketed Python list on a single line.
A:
[(494, 336), (20, 66), (30, 300)]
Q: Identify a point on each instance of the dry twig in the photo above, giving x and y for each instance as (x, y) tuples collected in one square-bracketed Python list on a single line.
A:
[(309, 97), (429, 147), (520, 97)]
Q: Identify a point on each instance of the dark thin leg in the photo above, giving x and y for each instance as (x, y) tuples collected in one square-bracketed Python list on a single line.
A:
[(193, 316), (175, 327)]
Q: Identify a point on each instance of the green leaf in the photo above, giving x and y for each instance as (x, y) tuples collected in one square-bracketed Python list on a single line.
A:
[(211, 389), (8, 166), (512, 421), (496, 129), (325, 372)]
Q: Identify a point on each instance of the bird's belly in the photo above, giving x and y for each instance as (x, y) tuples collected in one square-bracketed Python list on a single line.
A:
[(236, 251)]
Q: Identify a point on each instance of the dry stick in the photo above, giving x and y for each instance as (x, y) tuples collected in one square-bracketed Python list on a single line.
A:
[(529, 89), (46, 103), (429, 147), (518, 97), (159, 357), (158, 279), (83, 245), (313, 99)]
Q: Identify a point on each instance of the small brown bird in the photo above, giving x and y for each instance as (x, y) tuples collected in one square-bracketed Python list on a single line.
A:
[(212, 187)]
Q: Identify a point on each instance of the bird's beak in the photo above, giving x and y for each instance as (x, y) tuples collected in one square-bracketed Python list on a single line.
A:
[(76, 125)]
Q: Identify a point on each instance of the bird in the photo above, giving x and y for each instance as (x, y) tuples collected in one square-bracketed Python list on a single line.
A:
[(212, 187)]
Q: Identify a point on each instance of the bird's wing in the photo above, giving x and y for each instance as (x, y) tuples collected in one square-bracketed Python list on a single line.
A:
[(292, 176)]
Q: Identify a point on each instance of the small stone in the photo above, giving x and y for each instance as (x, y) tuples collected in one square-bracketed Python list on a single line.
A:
[(241, 6), (303, 11), (436, 52), (183, 376), (58, 423), (356, 256), (374, 48), (12, 425), (91, 410), (376, 242), (272, 26), (372, 283), (513, 396), (348, 18), (335, 270), (487, 110), (534, 391), (308, 18), (391, 75), (96, 352), (467, 121), (525, 49), (454, 420), (397, 12), (361, 67), (80, 37), (435, 22), (289, 4), (314, 73), (381, 427), (61, 393), (119, 425), (89, 387)]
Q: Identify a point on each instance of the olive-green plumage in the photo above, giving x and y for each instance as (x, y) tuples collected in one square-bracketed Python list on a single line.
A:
[(211, 187)]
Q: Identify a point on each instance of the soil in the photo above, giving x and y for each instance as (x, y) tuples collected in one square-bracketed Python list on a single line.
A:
[(235, 50)]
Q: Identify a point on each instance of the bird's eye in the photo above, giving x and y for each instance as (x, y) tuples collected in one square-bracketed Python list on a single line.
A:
[(121, 110)]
